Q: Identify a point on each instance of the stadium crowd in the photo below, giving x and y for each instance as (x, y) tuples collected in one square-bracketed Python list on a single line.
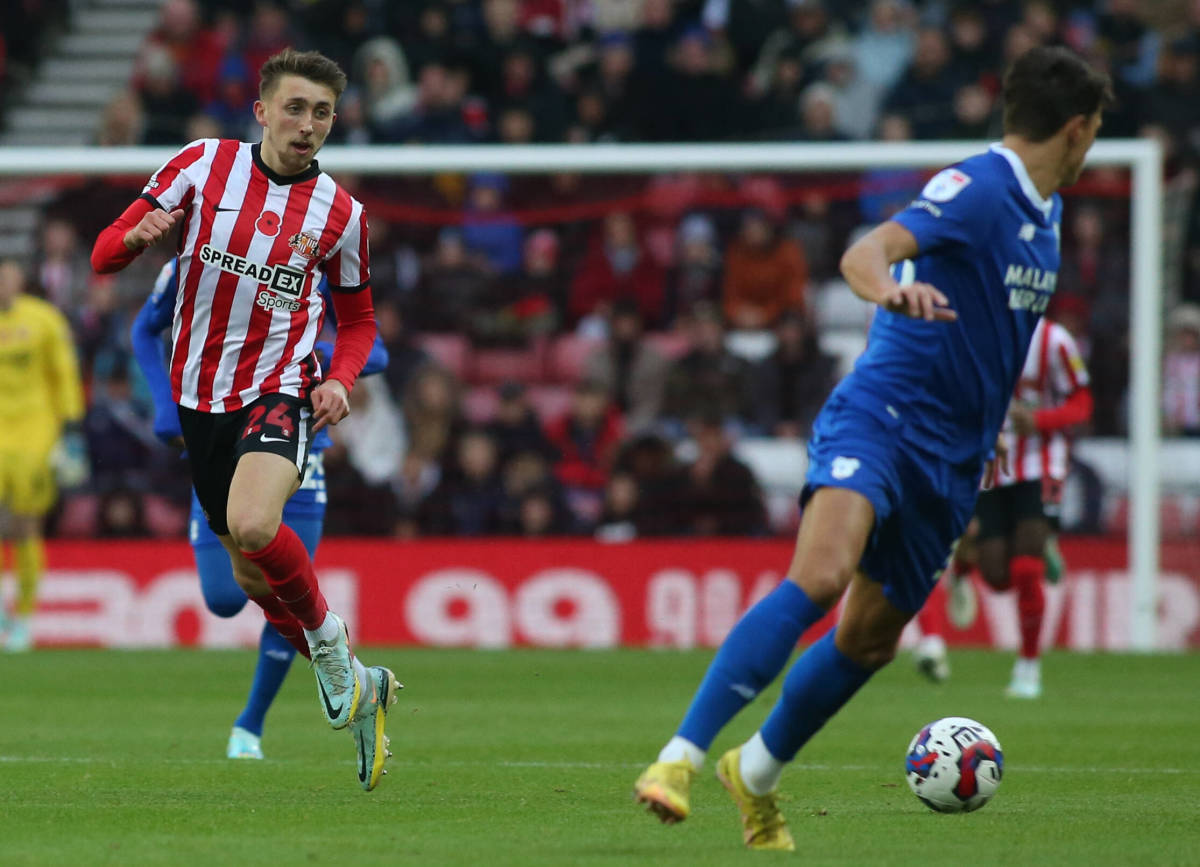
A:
[(554, 339)]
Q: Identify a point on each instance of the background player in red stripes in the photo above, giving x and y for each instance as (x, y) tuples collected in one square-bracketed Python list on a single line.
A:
[(259, 224), (1016, 519)]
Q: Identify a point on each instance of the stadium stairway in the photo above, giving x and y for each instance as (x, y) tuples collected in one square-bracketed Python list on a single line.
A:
[(83, 68)]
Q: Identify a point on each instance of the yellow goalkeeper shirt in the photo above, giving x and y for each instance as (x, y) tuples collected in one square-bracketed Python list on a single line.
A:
[(39, 376)]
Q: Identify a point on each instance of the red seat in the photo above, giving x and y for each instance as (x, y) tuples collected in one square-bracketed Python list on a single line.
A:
[(568, 357), (550, 401), (479, 403), (493, 366), (451, 351), (671, 344)]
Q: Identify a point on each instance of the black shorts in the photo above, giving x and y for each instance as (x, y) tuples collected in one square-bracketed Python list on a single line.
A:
[(275, 423), (1000, 509)]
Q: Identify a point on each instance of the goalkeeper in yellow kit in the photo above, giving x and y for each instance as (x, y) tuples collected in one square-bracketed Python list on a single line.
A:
[(41, 404)]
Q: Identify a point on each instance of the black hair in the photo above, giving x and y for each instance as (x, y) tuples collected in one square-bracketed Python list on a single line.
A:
[(1046, 87)]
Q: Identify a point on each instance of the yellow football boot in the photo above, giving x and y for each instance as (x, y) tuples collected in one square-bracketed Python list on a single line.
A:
[(763, 825), (665, 788)]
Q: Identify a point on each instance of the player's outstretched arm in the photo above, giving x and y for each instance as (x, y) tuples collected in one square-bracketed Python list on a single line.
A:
[(867, 268)]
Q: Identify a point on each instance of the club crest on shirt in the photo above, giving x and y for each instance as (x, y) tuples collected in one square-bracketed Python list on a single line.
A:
[(945, 185), (305, 244)]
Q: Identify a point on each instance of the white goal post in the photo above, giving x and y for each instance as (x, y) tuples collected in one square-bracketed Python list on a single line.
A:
[(1142, 157)]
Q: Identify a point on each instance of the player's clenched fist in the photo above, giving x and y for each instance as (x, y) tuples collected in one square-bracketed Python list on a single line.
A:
[(920, 301), (330, 402), (152, 228)]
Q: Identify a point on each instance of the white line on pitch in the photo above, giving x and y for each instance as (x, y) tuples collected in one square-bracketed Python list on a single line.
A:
[(600, 766)]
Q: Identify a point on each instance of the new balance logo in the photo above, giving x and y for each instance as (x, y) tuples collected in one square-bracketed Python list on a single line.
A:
[(1027, 232), (744, 691), (844, 468)]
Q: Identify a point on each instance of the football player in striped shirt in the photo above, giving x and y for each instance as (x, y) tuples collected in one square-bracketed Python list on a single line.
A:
[(259, 224), (304, 512), (1015, 520)]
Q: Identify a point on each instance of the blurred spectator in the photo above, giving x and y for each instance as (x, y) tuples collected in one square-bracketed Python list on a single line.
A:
[(1181, 380), (720, 494), (404, 355), (522, 84), (587, 437), (527, 472), (1094, 272), (632, 371), (387, 92), (792, 383), (120, 438), (616, 267), (63, 270), (102, 328), (123, 122), (1174, 102), (120, 515), (373, 434), (515, 428), (927, 88), (684, 100), (698, 270), (709, 378), (818, 114), (884, 48), (166, 103), (650, 460), (806, 41), (1131, 43), (193, 49), (540, 514), (765, 273), (886, 191), (488, 230), (972, 61), (975, 115), (528, 304), (433, 415), (268, 32), (452, 285), (436, 116), (855, 97), (468, 500), (618, 517), (235, 96)]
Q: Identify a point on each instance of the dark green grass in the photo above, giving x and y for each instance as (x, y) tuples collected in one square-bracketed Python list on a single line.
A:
[(528, 758)]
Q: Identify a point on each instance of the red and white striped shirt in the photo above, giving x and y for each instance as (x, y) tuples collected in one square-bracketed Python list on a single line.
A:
[(1053, 372), (248, 310)]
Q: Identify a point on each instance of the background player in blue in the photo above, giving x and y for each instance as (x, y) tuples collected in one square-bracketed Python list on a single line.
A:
[(898, 451), (304, 512)]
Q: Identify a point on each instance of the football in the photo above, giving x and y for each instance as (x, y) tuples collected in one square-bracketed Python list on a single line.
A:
[(954, 765)]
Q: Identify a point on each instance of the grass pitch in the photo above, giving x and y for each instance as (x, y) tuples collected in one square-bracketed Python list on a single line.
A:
[(528, 757)]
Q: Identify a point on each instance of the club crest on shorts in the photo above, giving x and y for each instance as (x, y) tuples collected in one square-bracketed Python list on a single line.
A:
[(844, 468), (305, 244)]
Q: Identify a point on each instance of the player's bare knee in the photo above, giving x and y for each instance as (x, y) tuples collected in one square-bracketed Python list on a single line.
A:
[(822, 580), (872, 652), (252, 530)]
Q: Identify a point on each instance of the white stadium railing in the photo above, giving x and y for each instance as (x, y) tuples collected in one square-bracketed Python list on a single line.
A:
[(1142, 157)]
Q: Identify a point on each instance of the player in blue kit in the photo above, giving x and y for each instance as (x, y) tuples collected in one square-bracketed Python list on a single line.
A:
[(899, 449), (304, 512)]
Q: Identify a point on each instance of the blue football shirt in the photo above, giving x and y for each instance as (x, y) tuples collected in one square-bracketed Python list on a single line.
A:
[(990, 243)]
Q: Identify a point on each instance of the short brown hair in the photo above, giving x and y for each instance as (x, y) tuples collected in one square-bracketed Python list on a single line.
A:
[(1046, 87), (312, 65)]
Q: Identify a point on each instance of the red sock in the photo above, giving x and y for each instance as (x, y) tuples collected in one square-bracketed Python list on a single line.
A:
[(283, 621), (288, 569), (1027, 574), (927, 622)]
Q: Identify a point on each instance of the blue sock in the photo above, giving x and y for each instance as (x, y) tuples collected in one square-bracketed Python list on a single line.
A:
[(275, 656), (821, 681), (750, 658)]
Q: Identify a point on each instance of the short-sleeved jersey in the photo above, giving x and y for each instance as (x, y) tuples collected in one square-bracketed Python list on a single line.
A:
[(990, 242), (252, 248), (1054, 370), (39, 374)]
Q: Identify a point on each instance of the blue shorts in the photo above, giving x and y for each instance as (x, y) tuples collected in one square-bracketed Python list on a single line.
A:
[(922, 504)]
